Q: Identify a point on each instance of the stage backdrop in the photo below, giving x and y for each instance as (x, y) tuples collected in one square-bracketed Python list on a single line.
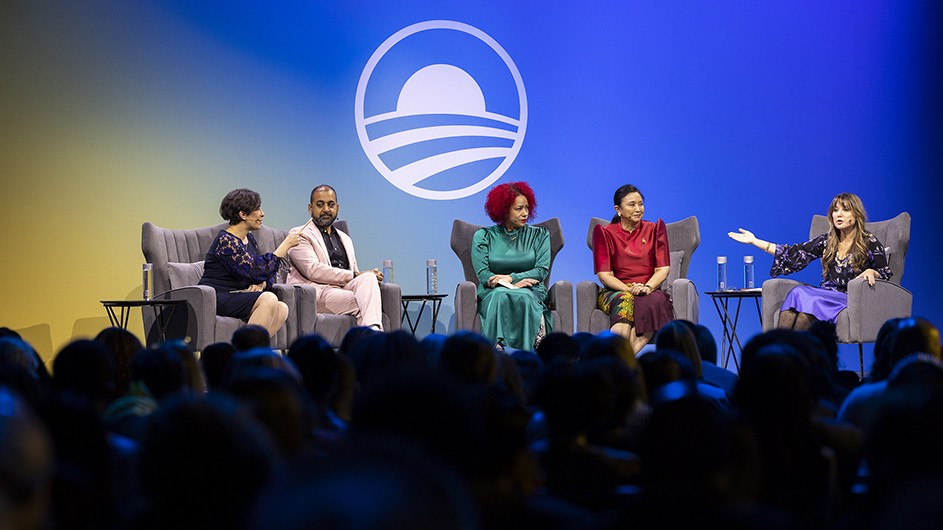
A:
[(745, 114)]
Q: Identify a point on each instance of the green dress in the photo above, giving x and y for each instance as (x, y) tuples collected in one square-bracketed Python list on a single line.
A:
[(512, 316)]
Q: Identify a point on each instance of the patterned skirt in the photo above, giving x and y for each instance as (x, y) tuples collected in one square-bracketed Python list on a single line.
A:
[(648, 313)]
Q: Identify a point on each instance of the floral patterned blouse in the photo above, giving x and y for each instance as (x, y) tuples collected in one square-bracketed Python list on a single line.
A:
[(231, 265), (835, 277)]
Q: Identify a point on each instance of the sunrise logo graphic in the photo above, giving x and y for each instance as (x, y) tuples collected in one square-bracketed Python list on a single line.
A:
[(441, 110)]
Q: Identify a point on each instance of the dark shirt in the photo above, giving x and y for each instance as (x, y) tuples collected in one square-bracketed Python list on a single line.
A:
[(335, 249), (231, 265), (836, 275)]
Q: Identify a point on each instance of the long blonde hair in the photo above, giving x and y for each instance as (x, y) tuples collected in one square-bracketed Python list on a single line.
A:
[(859, 248)]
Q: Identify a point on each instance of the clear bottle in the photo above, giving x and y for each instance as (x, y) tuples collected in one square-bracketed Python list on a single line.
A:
[(146, 277), (748, 280), (432, 277), (388, 271), (722, 273)]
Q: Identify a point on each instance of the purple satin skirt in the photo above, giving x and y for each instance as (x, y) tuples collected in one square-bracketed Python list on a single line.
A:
[(821, 303)]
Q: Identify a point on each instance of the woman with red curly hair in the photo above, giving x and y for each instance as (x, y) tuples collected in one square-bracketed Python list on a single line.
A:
[(512, 260)]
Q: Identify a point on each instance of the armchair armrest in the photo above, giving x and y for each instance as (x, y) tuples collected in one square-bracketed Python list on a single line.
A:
[(685, 300), (774, 293), (391, 299), (306, 308), (560, 298), (289, 332), (586, 294), (869, 306), (200, 312), (466, 306)]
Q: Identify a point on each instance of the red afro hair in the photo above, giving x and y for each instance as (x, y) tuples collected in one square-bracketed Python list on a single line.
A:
[(502, 197)]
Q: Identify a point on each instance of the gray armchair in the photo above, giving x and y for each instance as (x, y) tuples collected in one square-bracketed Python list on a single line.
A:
[(559, 296), (684, 236), (177, 256), (333, 327), (868, 306)]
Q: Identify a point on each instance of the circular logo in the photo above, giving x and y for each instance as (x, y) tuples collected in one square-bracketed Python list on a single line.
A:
[(441, 110)]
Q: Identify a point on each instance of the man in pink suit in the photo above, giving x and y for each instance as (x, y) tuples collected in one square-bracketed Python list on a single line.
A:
[(325, 259)]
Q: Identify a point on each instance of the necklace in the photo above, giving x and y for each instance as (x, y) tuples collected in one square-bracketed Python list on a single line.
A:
[(512, 234)]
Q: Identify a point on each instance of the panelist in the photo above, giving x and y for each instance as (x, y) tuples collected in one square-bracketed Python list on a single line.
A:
[(631, 260), (241, 276), (512, 260), (847, 252), (325, 259)]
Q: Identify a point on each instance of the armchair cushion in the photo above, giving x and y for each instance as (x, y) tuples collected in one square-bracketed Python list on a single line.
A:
[(184, 274)]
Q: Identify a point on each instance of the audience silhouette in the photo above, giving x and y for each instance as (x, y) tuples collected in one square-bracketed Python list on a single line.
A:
[(389, 432)]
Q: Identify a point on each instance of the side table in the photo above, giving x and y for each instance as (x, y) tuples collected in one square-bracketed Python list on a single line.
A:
[(120, 319), (436, 300), (721, 301)]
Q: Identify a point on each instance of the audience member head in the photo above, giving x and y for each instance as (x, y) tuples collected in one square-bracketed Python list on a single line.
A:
[(373, 481), (509, 377), (381, 355), (911, 335), (917, 371), (706, 345), (558, 347), (354, 336), (329, 378), (195, 382), (575, 399), (424, 407), (679, 335), (774, 336), (664, 366), (85, 369), (774, 391), (246, 362), (27, 464), (250, 337), (318, 364), (720, 466), (214, 359), (628, 391), (15, 351), (469, 358), (123, 345), (161, 370), (203, 462), (432, 345), (609, 344), (281, 405), (882, 347)]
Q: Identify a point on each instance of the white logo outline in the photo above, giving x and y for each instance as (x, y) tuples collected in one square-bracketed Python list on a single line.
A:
[(407, 183)]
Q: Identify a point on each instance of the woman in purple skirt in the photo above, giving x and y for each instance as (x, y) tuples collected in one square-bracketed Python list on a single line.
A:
[(847, 252)]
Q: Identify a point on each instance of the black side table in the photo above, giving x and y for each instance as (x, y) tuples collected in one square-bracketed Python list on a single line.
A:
[(120, 320), (436, 300), (721, 301)]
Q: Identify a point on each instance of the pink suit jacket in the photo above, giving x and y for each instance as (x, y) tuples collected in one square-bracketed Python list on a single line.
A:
[(311, 264)]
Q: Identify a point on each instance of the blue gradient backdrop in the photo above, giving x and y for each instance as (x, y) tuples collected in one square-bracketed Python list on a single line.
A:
[(745, 114)]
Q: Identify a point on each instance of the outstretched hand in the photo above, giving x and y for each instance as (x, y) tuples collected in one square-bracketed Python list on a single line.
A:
[(743, 236)]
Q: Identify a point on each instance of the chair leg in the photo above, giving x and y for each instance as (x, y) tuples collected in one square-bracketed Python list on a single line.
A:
[(861, 360)]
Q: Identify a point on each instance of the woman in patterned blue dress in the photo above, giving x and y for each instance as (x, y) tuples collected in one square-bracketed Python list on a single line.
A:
[(847, 252), (242, 276)]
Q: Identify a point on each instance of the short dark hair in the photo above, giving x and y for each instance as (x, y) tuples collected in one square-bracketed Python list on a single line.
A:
[(321, 187), (240, 200)]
